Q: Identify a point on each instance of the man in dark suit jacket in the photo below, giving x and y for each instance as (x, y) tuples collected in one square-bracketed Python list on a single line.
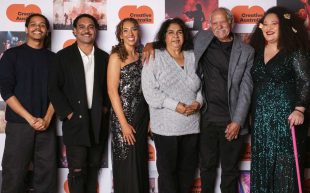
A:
[(78, 91), (224, 64)]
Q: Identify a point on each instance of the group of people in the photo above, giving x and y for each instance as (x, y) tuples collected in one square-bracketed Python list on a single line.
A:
[(192, 94)]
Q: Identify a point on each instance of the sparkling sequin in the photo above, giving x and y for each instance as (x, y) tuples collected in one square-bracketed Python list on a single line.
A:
[(279, 86), (130, 94)]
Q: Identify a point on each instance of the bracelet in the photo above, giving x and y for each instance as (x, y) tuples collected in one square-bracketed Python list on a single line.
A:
[(299, 111)]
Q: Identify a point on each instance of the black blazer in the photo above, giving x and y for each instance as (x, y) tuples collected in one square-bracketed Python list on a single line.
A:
[(67, 92)]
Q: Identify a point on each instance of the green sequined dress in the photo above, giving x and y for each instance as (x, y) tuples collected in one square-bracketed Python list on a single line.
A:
[(279, 86)]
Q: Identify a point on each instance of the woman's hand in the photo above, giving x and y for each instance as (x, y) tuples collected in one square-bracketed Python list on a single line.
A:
[(181, 108), (192, 108), (296, 118), (128, 134)]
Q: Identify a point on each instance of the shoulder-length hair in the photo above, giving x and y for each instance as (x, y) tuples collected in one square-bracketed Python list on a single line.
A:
[(161, 34), (292, 32), (120, 47)]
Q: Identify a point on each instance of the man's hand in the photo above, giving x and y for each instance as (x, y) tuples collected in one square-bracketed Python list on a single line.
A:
[(147, 52), (32, 121), (40, 125), (70, 116), (232, 131)]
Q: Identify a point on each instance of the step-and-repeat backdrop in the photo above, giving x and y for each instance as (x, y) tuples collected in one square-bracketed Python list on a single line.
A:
[(150, 14)]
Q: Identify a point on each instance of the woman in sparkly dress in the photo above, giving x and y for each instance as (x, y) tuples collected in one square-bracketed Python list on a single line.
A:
[(129, 119), (281, 77)]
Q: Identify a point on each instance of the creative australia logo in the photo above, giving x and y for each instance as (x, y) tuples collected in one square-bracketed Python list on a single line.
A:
[(143, 14), (19, 12)]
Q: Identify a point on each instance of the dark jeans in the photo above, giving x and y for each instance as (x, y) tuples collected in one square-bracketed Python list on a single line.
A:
[(177, 158), (215, 147), (84, 164), (23, 145)]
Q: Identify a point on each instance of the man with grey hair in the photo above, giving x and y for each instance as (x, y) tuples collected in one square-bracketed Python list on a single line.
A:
[(224, 64)]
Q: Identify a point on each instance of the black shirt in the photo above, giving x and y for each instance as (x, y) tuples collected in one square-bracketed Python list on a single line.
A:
[(215, 62), (24, 74)]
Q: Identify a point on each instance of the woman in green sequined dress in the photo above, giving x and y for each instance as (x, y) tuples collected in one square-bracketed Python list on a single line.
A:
[(281, 77)]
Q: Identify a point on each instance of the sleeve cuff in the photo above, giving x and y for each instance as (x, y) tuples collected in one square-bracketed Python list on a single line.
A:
[(170, 104), (239, 121), (199, 99), (6, 96)]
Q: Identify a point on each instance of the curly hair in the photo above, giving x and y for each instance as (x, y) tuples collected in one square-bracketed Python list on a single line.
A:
[(292, 32), (120, 47), (160, 42)]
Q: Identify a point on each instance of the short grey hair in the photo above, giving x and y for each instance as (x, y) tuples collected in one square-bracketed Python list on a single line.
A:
[(228, 14)]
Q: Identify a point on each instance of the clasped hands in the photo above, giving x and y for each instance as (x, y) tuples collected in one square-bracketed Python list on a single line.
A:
[(39, 124), (188, 109)]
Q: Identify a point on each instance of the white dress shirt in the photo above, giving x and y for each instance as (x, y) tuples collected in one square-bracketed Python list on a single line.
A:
[(89, 68)]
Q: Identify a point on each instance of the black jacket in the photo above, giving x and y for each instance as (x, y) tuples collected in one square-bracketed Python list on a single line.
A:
[(67, 92)]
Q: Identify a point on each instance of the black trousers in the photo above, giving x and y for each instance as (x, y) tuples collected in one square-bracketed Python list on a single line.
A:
[(23, 145), (177, 159), (214, 147), (84, 164)]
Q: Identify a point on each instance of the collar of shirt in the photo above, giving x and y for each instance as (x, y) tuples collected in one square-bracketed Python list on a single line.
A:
[(87, 58)]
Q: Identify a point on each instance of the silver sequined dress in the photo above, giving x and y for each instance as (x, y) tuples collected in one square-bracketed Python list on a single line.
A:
[(130, 169)]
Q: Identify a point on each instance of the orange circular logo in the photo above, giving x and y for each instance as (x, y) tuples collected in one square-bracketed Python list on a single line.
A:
[(19, 12), (69, 42), (247, 15), (143, 14)]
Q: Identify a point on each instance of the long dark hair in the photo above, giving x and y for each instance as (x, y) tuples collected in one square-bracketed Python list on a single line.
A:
[(292, 32), (161, 34), (120, 47)]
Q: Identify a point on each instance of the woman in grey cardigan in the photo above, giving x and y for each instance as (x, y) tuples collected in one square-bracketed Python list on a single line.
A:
[(172, 90)]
